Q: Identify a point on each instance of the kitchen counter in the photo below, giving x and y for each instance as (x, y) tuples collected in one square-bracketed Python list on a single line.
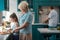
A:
[(35, 33), (42, 24), (47, 30), (3, 35)]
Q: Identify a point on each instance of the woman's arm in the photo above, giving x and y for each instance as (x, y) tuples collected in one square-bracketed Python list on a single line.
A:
[(23, 26)]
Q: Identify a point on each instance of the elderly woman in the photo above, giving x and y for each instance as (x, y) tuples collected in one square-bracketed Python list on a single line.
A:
[(25, 22)]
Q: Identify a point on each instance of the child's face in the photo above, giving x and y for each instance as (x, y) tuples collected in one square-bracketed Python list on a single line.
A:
[(11, 20)]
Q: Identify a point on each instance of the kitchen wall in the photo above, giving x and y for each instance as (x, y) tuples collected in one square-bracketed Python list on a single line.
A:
[(1, 9), (12, 8)]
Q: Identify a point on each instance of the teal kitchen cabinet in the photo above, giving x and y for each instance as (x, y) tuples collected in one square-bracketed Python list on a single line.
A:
[(35, 33), (1, 5)]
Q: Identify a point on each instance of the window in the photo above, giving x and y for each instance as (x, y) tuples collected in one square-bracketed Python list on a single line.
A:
[(6, 5)]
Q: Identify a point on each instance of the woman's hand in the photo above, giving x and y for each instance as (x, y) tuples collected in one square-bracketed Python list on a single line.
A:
[(17, 29)]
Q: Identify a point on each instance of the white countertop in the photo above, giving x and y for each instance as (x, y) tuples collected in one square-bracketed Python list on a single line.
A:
[(46, 30), (3, 36)]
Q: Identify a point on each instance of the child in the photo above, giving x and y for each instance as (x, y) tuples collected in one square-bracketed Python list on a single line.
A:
[(14, 24)]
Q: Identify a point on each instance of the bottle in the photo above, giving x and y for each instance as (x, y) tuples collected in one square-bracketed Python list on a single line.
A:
[(4, 27)]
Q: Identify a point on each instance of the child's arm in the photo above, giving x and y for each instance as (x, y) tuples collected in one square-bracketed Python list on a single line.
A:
[(16, 27), (7, 32), (16, 24)]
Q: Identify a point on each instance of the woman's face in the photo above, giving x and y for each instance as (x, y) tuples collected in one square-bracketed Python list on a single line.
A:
[(21, 9)]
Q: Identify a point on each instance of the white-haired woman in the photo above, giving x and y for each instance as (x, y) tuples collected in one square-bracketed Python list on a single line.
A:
[(25, 22)]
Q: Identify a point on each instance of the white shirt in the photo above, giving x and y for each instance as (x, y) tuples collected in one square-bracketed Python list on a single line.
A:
[(53, 18), (13, 25)]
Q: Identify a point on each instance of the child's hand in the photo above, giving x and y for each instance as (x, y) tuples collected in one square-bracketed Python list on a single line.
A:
[(3, 33), (9, 30)]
